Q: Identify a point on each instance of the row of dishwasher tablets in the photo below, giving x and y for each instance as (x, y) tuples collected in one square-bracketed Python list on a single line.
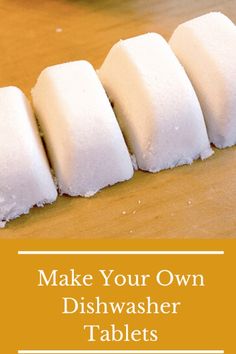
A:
[(171, 101)]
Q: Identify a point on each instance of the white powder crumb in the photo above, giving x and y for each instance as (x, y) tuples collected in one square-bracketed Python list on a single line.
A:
[(59, 30), (2, 224), (139, 201), (134, 212), (130, 231), (123, 212), (90, 194), (189, 202), (176, 128)]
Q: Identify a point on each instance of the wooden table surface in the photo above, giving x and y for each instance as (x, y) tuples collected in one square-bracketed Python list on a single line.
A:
[(189, 201)]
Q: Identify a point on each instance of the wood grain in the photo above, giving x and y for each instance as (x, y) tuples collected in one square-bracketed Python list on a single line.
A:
[(189, 201)]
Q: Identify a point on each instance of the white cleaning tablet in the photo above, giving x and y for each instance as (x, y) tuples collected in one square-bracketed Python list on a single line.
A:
[(25, 178), (84, 141), (155, 103), (206, 46)]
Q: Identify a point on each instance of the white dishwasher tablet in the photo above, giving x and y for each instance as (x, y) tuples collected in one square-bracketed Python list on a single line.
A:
[(25, 178), (84, 141), (206, 46), (155, 103)]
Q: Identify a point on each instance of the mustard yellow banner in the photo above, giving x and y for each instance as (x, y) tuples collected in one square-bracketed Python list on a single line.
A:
[(74, 296)]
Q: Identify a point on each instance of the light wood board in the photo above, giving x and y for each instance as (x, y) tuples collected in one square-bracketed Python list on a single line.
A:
[(190, 201)]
